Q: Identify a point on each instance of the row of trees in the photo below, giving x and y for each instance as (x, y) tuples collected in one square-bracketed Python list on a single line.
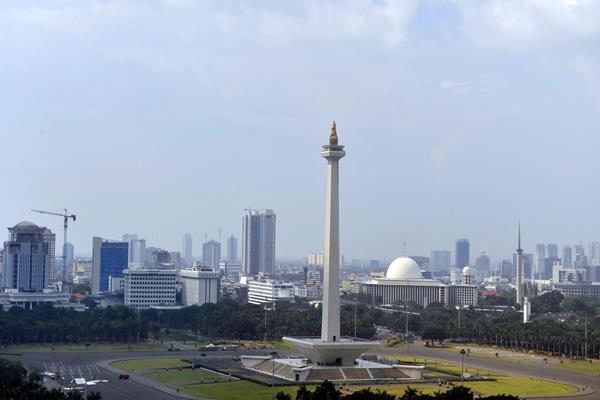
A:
[(563, 332), (327, 391), (17, 383)]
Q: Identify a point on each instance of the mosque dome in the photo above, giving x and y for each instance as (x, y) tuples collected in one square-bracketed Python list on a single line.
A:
[(467, 270), (404, 268), (25, 225)]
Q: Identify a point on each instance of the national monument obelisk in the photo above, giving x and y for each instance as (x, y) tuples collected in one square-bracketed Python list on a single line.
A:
[(330, 327)]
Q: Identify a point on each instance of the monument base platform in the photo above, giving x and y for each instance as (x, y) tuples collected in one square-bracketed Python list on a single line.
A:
[(344, 352)]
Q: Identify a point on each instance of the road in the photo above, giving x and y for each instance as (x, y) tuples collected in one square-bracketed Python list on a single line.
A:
[(537, 369), (132, 389)]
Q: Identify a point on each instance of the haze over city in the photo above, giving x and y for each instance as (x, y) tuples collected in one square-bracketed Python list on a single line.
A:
[(166, 117)]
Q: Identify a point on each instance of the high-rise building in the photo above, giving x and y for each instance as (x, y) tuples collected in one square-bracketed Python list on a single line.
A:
[(440, 260), (109, 259), (594, 254), (581, 259), (187, 250), (50, 239), (26, 258), (482, 265), (506, 269), (462, 253), (232, 249), (68, 256), (175, 258), (540, 255), (548, 267), (137, 252), (552, 249), (258, 242), (211, 254), (567, 256)]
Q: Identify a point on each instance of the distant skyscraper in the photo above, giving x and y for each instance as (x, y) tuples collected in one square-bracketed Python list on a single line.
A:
[(594, 254), (506, 269), (567, 258), (482, 265), (552, 249), (211, 254), (581, 259), (232, 251), (137, 252), (109, 259), (26, 258), (258, 242), (440, 260), (130, 236), (462, 253), (540, 255), (187, 250), (68, 256)]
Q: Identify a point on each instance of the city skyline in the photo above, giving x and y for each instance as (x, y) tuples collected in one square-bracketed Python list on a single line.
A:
[(494, 92)]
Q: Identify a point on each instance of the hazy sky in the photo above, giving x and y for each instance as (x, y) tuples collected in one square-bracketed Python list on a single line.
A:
[(171, 116)]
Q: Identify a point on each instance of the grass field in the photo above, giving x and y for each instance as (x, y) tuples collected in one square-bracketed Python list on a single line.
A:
[(235, 390), (186, 375), (445, 367), (94, 347), (143, 364), (520, 386), (586, 366)]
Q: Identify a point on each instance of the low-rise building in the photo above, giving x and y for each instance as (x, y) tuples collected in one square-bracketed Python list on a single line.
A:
[(578, 289), (199, 285), (147, 288), (269, 292)]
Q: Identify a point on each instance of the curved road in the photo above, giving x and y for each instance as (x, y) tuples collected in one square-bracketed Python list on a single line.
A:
[(132, 389), (590, 382)]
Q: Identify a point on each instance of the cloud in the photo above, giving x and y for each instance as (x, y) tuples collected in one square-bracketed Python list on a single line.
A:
[(525, 23)]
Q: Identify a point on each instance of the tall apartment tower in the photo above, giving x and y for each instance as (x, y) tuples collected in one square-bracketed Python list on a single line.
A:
[(68, 257), (567, 256), (26, 258), (258, 242), (232, 249), (211, 254), (462, 253), (187, 249)]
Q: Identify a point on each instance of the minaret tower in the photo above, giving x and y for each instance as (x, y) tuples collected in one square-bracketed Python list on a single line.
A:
[(330, 328), (520, 293)]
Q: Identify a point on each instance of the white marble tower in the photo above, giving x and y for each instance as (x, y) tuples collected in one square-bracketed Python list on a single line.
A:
[(520, 294), (330, 328)]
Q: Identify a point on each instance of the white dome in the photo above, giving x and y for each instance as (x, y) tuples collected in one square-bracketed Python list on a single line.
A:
[(467, 270), (404, 268)]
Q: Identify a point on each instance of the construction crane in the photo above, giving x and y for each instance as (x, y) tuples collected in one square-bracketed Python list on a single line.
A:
[(66, 217)]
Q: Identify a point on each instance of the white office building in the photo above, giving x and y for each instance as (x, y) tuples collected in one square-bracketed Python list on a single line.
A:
[(268, 291), (147, 288), (199, 285)]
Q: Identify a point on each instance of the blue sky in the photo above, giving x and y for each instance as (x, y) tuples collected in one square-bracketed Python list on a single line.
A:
[(172, 116)]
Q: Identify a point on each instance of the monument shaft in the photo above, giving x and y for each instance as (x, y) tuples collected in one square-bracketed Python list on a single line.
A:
[(330, 328)]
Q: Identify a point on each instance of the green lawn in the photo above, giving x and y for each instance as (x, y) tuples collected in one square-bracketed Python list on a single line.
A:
[(520, 386), (442, 366), (586, 366), (238, 390), (143, 364), (94, 347), (185, 375)]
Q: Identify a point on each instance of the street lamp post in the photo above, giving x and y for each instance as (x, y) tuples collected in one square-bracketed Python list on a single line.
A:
[(273, 355), (462, 366)]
